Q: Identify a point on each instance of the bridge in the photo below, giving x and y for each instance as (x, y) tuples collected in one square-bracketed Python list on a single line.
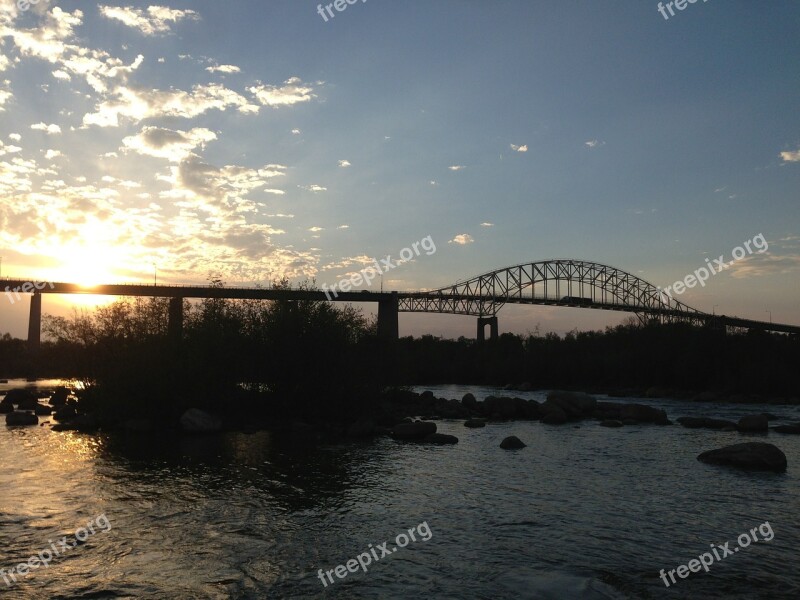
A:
[(559, 282)]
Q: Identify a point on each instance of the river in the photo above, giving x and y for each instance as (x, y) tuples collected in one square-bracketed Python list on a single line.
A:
[(582, 512)]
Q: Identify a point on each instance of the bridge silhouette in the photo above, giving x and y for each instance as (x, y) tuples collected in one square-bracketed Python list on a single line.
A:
[(559, 282)]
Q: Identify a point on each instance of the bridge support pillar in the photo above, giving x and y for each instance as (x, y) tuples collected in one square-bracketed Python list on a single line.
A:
[(35, 323), (175, 323), (388, 328), (482, 323)]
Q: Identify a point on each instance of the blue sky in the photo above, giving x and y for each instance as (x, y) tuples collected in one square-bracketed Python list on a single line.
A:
[(253, 138)]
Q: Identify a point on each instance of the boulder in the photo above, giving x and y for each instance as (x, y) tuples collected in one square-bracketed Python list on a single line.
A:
[(512, 442), (504, 406), (469, 401), (195, 420), (706, 423), (473, 423), (525, 387), (20, 395), (6, 406), (554, 416), (41, 409), (611, 423), (753, 424), (795, 428), (440, 438), (642, 413), (530, 410), (21, 418), (413, 431), (59, 397), (576, 405), (754, 456), (65, 413)]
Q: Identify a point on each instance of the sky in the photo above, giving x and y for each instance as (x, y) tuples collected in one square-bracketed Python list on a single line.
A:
[(256, 139)]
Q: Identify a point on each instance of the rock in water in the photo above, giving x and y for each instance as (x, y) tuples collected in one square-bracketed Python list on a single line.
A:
[(512, 442), (753, 423), (413, 431), (754, 456), (473, 423), (21, 418), (195, 420)]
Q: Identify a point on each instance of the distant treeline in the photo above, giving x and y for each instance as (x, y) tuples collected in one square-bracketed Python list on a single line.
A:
[(322, 360), (676, 357)]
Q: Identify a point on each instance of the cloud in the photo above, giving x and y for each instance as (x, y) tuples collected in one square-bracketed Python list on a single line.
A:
[(154, 21), (791, 156), (456, 167), (487, 224), (316, 229), (313, 188), (51, 154), (433, 182), (293, 91), (139, 104), (462, 239), (594, 143), (295, 132), (523, 148), (223, 69), (344, 163), (14, 136), (5, 94), (757, 265), (175, 146), (343, 227), (51, 129), (4, 62)]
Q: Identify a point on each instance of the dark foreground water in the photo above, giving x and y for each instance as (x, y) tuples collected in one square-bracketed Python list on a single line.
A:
[(582, 512)]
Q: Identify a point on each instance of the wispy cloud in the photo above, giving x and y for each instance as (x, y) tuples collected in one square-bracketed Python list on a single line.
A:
[(523, 148), (313, 188), (293, 91), (154, 20), (594, 143), (344, 163), (227, 69), (457, 167)]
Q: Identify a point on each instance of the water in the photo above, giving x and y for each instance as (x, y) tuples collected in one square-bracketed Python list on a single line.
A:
[(582, 512)]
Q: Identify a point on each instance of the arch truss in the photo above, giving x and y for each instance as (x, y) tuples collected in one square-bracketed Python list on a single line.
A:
[(560, 282)]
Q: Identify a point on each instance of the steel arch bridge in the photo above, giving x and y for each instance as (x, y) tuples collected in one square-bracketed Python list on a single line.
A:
[(562, 282)]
